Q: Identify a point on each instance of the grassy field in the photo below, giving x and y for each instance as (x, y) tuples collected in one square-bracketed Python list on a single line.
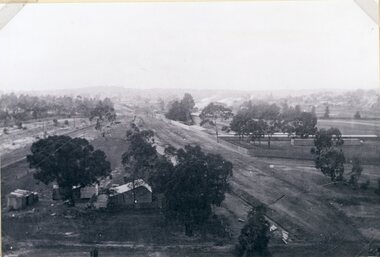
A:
[(368, 152), (352, 127)]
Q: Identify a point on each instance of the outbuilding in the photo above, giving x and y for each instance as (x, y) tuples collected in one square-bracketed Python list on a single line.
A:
[(20, 199), (137, 194)]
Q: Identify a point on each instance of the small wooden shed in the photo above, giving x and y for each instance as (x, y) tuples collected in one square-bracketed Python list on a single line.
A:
[(19, 199), (137, 193), (101, 202), (88, 192)]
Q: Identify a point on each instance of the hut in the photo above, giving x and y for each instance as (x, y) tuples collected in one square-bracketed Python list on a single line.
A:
[(89, 191), (101, 201), (16, 201), (20, 199), (59, 192), (137, 194)]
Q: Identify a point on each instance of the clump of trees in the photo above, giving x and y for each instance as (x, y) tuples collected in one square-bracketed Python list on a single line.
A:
[(259, 120), (214, 112), (355, 172), (198, 181), (329, 156), (254, 236), (357, 115), (191, 180), (181, 110), (140, 158), (103, 113), (68, 162), (26, 107)]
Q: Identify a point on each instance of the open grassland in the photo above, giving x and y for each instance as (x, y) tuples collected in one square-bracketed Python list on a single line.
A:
[(368, 151), (352, 126)]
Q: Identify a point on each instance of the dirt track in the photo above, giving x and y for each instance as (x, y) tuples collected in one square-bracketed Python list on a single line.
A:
[(305, 209)]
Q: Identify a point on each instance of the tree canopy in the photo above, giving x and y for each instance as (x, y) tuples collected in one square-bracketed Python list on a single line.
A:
[(25, 107), (67, 161), (102, 113), (329, 157), (263, 120), (254, 236), (181, 110), (212, 112), (138, 160), (197, 181)]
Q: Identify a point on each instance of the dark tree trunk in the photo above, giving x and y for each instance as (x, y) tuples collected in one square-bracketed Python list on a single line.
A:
[(269, 138)]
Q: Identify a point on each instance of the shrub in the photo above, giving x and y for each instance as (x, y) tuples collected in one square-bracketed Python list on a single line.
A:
[(19, 124), (365, 185), (5, 131), (66, 122), (56, 123)]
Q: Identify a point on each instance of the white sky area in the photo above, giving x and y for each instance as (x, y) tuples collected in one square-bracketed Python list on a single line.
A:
[(215, 45)]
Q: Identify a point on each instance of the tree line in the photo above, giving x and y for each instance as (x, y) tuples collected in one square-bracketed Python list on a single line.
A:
[(255, 121), (17, 108)]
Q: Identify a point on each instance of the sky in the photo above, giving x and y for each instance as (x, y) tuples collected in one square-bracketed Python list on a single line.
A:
[(256, 45)]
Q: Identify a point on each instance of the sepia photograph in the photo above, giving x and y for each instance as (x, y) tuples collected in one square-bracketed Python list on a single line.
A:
[(182, 128)]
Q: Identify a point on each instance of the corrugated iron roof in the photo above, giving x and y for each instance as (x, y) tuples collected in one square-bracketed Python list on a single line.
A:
[(129, 186)]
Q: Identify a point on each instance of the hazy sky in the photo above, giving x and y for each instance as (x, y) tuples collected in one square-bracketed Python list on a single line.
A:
[(241, 45)]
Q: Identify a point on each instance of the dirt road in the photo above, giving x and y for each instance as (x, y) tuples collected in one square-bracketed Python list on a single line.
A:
[(305, 209)]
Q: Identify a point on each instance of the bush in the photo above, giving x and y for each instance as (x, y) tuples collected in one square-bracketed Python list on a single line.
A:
[(66, 122), (56, 123), (19, 124), (226, 129), (365, 185), (254, 236), (5, 131)]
